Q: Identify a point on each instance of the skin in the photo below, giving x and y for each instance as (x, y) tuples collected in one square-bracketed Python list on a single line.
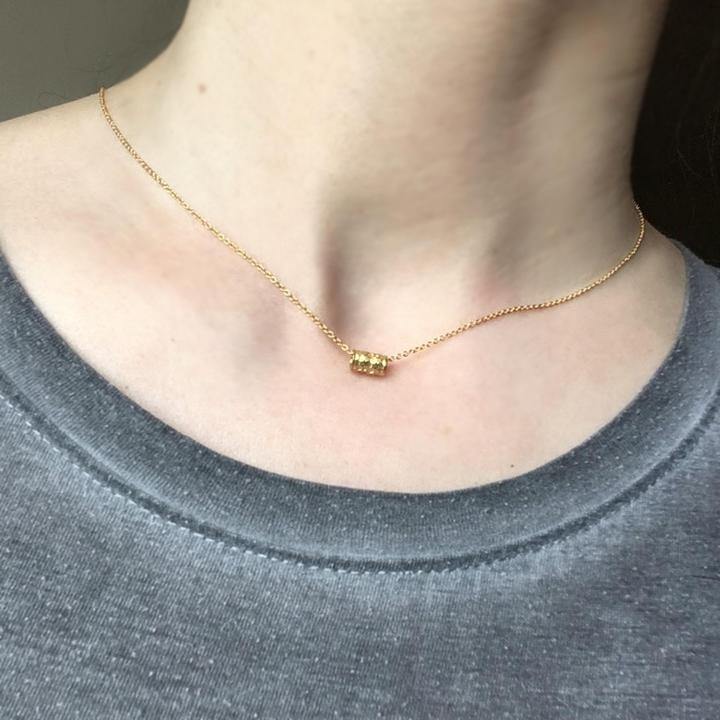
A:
[(404, 167)]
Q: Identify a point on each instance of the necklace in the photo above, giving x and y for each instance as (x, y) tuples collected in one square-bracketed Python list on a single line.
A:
[(362, 361)]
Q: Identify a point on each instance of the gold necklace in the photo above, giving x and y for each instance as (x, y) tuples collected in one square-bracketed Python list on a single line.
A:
[(369, 363)]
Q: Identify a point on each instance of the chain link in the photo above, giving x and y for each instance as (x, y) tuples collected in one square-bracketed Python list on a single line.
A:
[(305, 309)]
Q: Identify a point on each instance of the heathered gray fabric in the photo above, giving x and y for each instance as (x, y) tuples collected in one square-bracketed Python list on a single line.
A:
[(145, 576)]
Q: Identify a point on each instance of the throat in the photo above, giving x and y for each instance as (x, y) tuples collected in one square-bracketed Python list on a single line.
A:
[(379, 153)]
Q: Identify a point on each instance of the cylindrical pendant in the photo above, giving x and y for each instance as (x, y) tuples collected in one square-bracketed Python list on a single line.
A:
[(369, 363)]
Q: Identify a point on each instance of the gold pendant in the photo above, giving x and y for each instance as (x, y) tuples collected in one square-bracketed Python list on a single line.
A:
[(369, 363)]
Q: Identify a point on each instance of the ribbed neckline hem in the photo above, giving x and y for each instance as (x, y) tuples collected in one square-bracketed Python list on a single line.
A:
[(291, 519)]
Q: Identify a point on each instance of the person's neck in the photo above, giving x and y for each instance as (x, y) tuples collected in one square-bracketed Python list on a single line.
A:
[(379, 156)]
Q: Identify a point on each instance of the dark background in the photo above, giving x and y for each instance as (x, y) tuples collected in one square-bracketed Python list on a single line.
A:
[(53, 52)]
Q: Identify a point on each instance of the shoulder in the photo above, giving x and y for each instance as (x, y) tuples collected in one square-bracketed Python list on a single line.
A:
[(58, 188), (60, 180), (40, 138), (43, 155)]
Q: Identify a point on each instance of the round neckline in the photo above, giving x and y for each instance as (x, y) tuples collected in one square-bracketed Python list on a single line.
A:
[(288, 518)]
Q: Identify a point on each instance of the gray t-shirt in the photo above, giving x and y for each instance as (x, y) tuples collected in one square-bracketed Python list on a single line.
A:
[(143, 575)]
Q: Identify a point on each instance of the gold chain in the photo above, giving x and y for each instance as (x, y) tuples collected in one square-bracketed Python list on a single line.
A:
[(362, 361)]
